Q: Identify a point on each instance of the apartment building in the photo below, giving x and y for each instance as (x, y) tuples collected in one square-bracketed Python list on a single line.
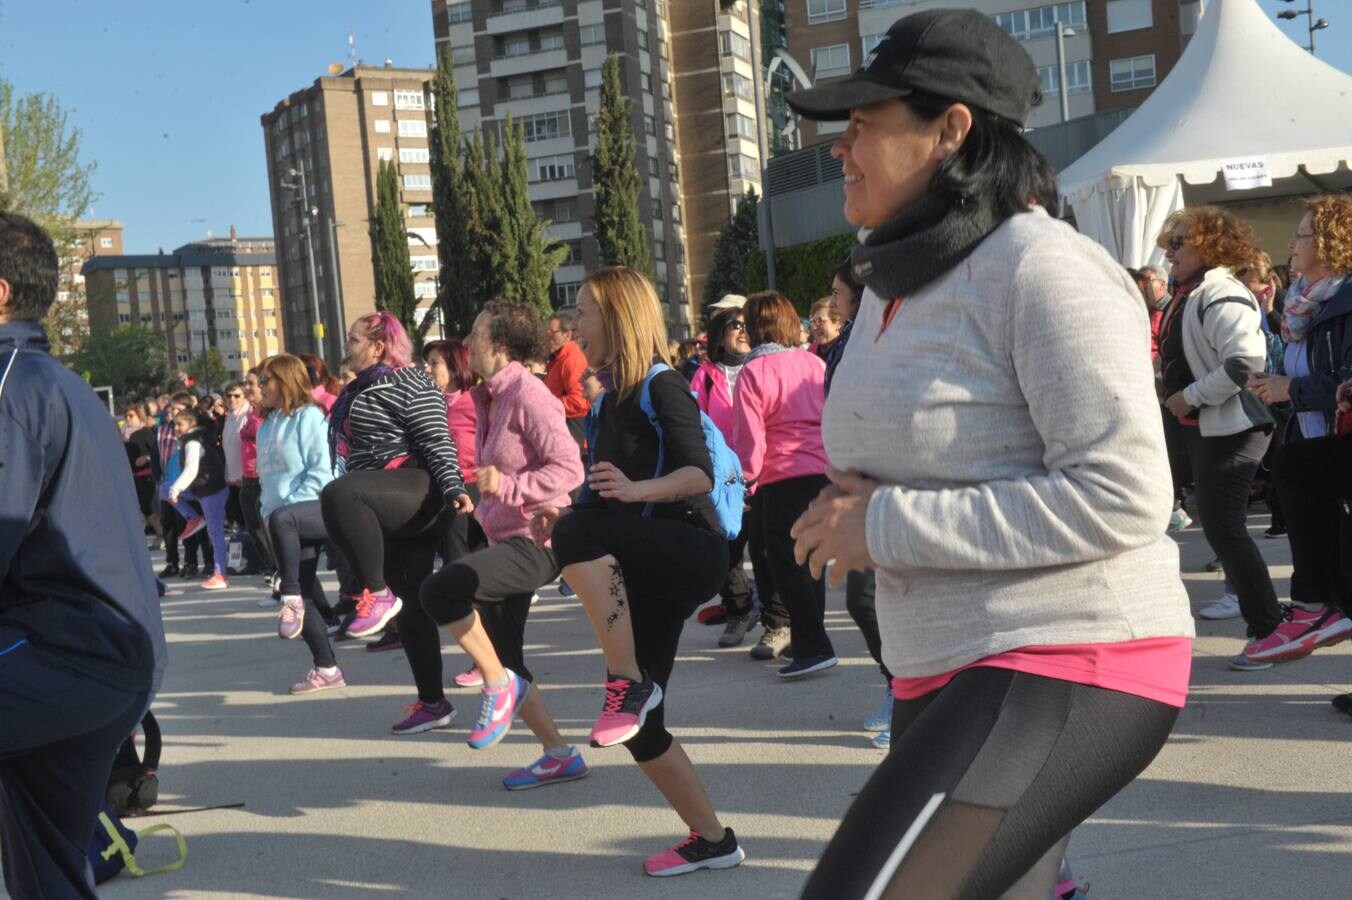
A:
[(324, 147), (1118, 52), (687, 68), (219, 292)]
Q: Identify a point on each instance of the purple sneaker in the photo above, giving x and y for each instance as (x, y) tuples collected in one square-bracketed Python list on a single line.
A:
[(421, 717), (316, 680), (374, 612), (291, 618), (497, 710)]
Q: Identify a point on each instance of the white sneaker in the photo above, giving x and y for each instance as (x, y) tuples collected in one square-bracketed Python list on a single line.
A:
[(1227, 607)]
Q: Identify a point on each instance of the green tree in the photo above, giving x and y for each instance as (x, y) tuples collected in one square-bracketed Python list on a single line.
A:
[(537, 253), (455, 296), (131, 359), (209, 370), (803, 271), (389, 251), (738, 241), (46, 180), (615, 182), (490, 254)]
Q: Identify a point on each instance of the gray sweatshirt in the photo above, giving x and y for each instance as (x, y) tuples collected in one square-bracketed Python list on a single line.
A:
[(1010, 412)]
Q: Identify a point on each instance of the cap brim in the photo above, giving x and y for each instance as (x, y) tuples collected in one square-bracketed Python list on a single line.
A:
[(827, 102)]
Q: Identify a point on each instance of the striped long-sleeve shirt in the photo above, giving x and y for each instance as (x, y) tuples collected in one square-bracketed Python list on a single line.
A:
[(403, 414)]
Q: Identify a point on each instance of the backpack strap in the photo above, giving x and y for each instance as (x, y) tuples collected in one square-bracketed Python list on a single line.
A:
[(154, 744), (117, 846), (645, 403), (13, 357)]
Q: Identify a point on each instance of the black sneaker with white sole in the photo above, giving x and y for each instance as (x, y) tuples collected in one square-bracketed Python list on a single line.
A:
[(695, 853), (807, 665)]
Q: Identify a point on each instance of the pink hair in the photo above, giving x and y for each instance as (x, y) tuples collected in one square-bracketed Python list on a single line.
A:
[(383, 326)]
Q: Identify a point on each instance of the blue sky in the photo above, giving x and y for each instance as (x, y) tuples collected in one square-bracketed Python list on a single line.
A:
[(168, 94)]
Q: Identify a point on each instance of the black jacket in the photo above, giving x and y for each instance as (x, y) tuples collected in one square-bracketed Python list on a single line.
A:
[(75, 576), (1328, 344)]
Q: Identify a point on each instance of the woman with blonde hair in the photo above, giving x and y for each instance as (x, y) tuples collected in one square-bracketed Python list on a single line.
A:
[(642, 546), (293, 469)]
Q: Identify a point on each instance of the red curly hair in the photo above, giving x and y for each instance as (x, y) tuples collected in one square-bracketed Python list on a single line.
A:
[(1220, 237), (1331, 220)]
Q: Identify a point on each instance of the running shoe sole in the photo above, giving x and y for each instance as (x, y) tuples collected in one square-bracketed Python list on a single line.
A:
[(1334, 634), (808, 670), (1243, 663), (729, 861), (309, 688), (379, 624), (560, 779), (654, 701), (428, 725)]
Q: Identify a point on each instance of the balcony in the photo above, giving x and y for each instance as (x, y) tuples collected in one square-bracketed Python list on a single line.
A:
[(542, 15), (507, 66)]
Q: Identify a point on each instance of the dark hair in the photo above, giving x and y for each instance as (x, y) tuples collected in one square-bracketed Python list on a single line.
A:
[(318, 373), (516, 326), (456, 356), (28, 262), (845, 272), (718, 329), (995, 161), (771, 319)]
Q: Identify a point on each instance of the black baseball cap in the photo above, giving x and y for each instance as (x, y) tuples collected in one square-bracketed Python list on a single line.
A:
[(957, 54)]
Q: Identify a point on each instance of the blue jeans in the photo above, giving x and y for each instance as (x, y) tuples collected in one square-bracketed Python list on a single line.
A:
[(213, 510)]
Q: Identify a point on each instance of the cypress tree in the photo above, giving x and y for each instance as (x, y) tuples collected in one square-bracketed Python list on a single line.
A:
[(389, 251), (454, 297), (537, 253), (488, 255), (738, 241), (615, 181)]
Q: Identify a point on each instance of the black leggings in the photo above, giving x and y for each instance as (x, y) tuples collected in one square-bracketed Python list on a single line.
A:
[(860, 593), (297, 537), (670, 567), (499, 582), (985, 780), (803, 596), (1314, 478), (773, 612)]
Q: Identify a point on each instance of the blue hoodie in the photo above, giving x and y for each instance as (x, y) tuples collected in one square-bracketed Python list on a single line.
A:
[(293, 458), (75, 576)]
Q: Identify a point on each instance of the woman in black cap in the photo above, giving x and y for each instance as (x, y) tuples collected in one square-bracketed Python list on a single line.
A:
[(998, 461)]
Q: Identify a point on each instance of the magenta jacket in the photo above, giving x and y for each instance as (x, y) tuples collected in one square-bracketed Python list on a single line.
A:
[(710, 387), (777, 416), (462, 417), (527, 440)]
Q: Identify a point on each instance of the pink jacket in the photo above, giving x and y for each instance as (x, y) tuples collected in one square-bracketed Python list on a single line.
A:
[(711, 393), (777, 417), (527, 439), (462, 416)]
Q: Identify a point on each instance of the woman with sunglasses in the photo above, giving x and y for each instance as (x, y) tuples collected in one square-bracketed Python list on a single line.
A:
[(1028, 599)]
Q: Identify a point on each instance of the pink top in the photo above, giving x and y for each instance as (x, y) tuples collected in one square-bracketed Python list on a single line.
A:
[(462, 417), (1154, 668), (777, 417), (526, 438), (323, 398), (248, 444), (710, 385)]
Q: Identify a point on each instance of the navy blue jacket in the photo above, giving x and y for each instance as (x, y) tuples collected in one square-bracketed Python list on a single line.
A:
[(75, 575), (1328, 345)]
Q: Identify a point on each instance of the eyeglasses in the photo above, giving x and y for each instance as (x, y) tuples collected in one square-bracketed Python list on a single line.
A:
[(819, 320), (737, 326), (1177, 243), (1302, 237)]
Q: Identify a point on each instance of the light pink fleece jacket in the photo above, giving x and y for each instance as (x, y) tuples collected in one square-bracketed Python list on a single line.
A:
[(527, 440), (777, 416), (710, 385)]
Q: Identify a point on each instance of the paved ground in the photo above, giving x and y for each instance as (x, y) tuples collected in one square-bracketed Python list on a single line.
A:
[(1247, 799)]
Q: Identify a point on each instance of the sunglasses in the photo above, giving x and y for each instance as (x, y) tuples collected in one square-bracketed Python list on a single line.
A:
[(737, 326), (1177, 243), (264, 379)]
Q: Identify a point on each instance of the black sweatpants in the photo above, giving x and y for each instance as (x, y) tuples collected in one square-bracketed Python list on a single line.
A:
[(670, 567), (860, 599), (297, 537), (250, 499), (1223, 469), (1180, 467), (736, 592), (59, 735), (773, 612), (984, 782), (499, 582), (173, 524), (803, 596), (1314, 480)]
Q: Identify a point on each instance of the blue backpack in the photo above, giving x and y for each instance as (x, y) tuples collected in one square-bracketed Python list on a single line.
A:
[(729, 491)]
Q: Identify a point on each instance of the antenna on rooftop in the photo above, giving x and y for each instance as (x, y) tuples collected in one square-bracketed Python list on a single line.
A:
[(352, 47)]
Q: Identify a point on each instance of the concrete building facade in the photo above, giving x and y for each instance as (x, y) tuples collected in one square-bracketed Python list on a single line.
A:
[(219, 292), (328, 140)]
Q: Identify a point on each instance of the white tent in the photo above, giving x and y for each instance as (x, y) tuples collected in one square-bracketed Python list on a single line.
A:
[(1242, 93)]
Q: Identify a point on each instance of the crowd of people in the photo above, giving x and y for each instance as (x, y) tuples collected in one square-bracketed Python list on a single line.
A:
[(1002, 542)]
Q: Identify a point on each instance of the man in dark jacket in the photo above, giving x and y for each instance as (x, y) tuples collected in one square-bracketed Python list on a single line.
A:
[(81, 642)]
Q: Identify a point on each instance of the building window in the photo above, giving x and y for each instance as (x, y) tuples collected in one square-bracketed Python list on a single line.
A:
[(417, 182), (418, 210), (424, 289), (1024, 24), (414, 155), (424, 263), (652, 166), (409, 100), (592, 34), (1129, 15), (467, 98), (746, 167), (124, 318), (737, 85), (869, 41), (551, 40), (545, 126), (645, 81), (459, 12), (556, 82), (413, 128), (741, 126), (383, 126), (385, 154), (591, 78), (565, 294), (734, 44), (819, 11), (650, 125), (551, 168), (659, 251), (1131, 74), (830, 61), (516, 45), (1077, 78), (380, 98), (565, 210), (105, 243), (462, 56), (642, 39), (521, 87)]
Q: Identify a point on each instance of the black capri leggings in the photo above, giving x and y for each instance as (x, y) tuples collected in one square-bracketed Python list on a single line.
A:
[(670, 567), (297, 537), (985, 780), (502, 577)]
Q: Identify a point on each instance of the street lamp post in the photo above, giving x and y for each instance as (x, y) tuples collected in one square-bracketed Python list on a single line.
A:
[(339, 317), (307, 214), (1308, 12), (1062, 32)]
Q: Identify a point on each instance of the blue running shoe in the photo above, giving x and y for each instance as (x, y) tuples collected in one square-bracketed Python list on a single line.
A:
[(882, 719), (883, 740), (565, 590), (547, 770), (497, 710)]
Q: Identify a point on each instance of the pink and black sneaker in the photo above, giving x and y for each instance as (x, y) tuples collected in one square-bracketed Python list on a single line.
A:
[(696, 853), (627, 705), (374, 611)]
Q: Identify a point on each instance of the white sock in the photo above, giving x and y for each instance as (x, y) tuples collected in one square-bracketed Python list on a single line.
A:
[(327, 671), (560, 752), (500, 683), (288, 597)]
